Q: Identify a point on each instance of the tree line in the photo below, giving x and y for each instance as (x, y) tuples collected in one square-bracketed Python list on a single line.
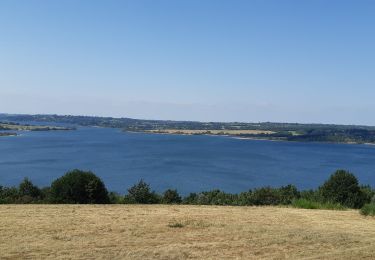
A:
[(342, 190)]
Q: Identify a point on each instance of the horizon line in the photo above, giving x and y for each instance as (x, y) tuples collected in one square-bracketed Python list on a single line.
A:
[(192, 121)]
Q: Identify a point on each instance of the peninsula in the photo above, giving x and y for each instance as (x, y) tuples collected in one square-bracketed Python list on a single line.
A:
[(5, 127)]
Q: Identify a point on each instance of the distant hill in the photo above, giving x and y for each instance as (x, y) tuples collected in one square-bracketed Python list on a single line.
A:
[(265, 130)]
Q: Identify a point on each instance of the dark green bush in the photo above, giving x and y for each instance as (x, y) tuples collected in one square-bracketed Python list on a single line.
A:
[(245, 199), (288, 194), (8, 195), (265, 196), (311, 195), (368, 192), (79, 187), (142, 194), (214, 197), (217, 197), (343, 188), (29, 192), (171, 197), (46, 194), (191, 199), (115, 198), (262, 196)]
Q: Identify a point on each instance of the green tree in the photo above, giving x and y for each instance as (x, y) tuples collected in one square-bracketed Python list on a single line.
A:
[(191, 199), (141, 193), (8, 195), (79, 187), (288, 194), (265, 196), (368, 192), (28, 192), (171, 197), (115, 198), (342, 187), (245, 198), (27, 188)]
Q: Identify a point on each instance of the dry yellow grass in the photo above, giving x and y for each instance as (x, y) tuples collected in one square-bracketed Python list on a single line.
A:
[(207, 232), (213, 132)]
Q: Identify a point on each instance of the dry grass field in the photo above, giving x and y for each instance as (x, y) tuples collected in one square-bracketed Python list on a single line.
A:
[(180, 232)]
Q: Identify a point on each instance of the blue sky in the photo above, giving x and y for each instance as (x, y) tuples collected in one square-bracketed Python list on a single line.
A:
[(208, 60)]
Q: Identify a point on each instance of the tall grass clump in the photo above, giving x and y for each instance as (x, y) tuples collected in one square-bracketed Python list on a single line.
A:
[(309, 204), (368, 209), (176, 225)]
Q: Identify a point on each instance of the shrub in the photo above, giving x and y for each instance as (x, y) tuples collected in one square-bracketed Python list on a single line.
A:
[(141, 193), (368, 209), (214, 197), (46, 194), (191, 199), (288, 194), (245, 198), (342, 187), (368, 193), (8, 195), (26, 193), (27, 188), (79, 187), (115, 198), (312, 195), (265, 196), (171, 197)]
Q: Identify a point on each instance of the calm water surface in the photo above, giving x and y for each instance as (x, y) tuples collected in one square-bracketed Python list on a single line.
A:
[(188, 163)]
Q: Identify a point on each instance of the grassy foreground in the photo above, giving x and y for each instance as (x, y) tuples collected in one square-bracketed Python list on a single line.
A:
[(180, 232)]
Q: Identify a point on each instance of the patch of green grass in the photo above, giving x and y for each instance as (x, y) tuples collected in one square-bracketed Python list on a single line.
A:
[(368, 209), (189, 223), (309, 204), (197, 223), (176, 225)]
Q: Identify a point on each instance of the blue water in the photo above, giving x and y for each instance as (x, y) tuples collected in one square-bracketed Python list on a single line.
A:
[(188, 163)]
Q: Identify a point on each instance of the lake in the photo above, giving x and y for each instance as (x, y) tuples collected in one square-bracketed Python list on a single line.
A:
[(188, 163)]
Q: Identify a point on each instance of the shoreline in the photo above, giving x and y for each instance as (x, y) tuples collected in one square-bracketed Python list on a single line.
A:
[(248, 138), (8, 135)]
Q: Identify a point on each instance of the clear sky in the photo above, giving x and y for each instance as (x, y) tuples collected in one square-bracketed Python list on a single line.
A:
[(208, 60)]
